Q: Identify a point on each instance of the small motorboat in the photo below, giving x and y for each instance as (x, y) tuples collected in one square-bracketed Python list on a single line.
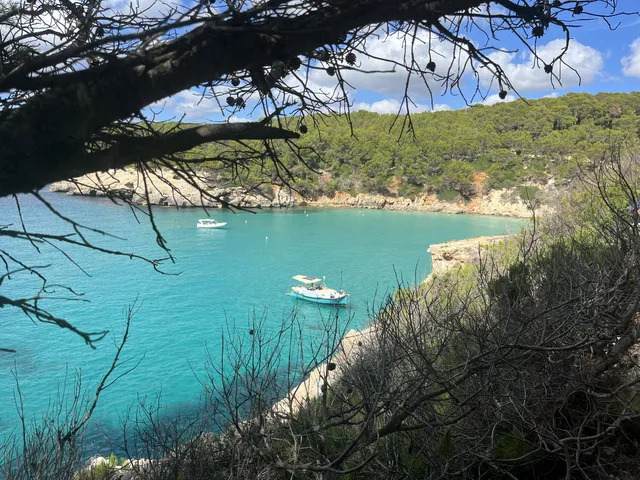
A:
[(209, 223), (314, 290)]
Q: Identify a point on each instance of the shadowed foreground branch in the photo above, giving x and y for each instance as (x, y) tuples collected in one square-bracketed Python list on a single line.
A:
[(99, 70)]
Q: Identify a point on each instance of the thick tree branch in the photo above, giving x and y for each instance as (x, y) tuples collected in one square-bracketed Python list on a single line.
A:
[(129, 150), (33, 137)]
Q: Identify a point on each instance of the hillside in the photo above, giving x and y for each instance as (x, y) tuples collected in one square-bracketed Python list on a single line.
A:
[(484, 159), (522, 142)]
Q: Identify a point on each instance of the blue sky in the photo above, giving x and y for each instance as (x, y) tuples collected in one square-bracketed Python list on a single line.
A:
[(607, 61)]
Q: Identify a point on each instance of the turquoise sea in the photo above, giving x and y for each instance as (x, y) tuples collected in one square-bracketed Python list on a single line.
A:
[(221, 279)]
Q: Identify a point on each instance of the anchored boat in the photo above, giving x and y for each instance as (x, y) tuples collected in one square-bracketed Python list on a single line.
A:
[(209, 223), (314, 290)]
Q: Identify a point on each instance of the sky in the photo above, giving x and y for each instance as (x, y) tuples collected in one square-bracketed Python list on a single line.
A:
[(606, 60)]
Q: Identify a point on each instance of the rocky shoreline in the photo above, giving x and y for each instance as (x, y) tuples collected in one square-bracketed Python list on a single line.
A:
[(445, 256), (501, 203), (172, 191), (459, 253), (168, 190)]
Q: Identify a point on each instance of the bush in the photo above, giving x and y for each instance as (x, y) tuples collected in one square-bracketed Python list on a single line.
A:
[(449, 196), (518, 366), (482, 163), (459, 176), (499, 177), (102, 471), (331, 187), (530, 193), (410, 191)]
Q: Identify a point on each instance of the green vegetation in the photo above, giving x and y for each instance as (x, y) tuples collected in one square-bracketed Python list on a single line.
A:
[(448, 195), (102, 471), (529, 193), (521, 365), (512, 143)]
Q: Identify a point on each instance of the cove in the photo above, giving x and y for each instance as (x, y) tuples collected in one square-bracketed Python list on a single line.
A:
[(220, 281)]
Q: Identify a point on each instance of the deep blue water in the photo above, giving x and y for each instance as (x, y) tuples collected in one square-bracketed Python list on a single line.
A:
[(225, 276)]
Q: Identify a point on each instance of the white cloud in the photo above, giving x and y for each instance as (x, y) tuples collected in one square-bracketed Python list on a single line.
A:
[(145, 8), (49, 29), (495, 98), (519, 67), (527, 76), (52, 28), (378, 73), (196, 108), (631, 63), (441, 107), (390, 105), (384, 78), (236, 119)]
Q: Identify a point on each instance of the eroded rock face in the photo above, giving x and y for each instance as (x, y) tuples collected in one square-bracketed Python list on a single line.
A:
[(351, 346), (283, 197), (445, 256), (127, 184), (505, 203), (60, 187), (100, 467)]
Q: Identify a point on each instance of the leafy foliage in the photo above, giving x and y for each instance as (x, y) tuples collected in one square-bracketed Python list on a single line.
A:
[(513, 143)]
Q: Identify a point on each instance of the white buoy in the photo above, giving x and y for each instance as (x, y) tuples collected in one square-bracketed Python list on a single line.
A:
[(266, 238), (307, 214), (245, 221)]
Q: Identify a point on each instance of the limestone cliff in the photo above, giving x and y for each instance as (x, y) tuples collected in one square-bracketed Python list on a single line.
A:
[(170, 190), (504, 202), (448, 255)]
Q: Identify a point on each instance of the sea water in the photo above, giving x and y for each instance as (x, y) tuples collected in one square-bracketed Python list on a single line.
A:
[(220, 282)]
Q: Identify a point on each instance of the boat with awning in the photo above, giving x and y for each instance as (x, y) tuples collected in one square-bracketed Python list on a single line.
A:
[(313, 289)]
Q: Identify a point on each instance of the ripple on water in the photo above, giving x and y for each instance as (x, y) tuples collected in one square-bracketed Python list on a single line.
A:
[(226, 279)]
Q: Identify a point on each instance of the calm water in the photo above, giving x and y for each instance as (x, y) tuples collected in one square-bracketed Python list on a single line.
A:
[(224, 277)]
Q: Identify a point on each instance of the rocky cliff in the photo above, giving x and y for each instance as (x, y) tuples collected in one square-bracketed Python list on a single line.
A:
[(448, 255), (504, 202), (171, 190), (168, 190)]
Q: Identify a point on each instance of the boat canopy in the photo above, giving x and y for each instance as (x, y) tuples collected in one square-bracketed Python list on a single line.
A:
[(206, 220), (306, 279)]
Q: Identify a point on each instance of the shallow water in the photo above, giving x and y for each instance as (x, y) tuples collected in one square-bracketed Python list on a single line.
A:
[(223, 278)]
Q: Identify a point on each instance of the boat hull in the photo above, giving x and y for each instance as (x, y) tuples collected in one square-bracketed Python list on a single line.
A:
[(217, 225), (341, 300)]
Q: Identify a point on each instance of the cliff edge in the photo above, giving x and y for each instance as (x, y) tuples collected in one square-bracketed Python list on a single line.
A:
[(169, 190)]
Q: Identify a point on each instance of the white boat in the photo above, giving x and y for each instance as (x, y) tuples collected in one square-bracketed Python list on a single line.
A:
[(209, 223), (314, 290)]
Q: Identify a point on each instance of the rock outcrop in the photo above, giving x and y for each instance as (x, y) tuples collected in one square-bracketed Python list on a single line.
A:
[(448, 255), (171, 190), (107, 468), (504, 203), (312, 386), (168, 190)]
